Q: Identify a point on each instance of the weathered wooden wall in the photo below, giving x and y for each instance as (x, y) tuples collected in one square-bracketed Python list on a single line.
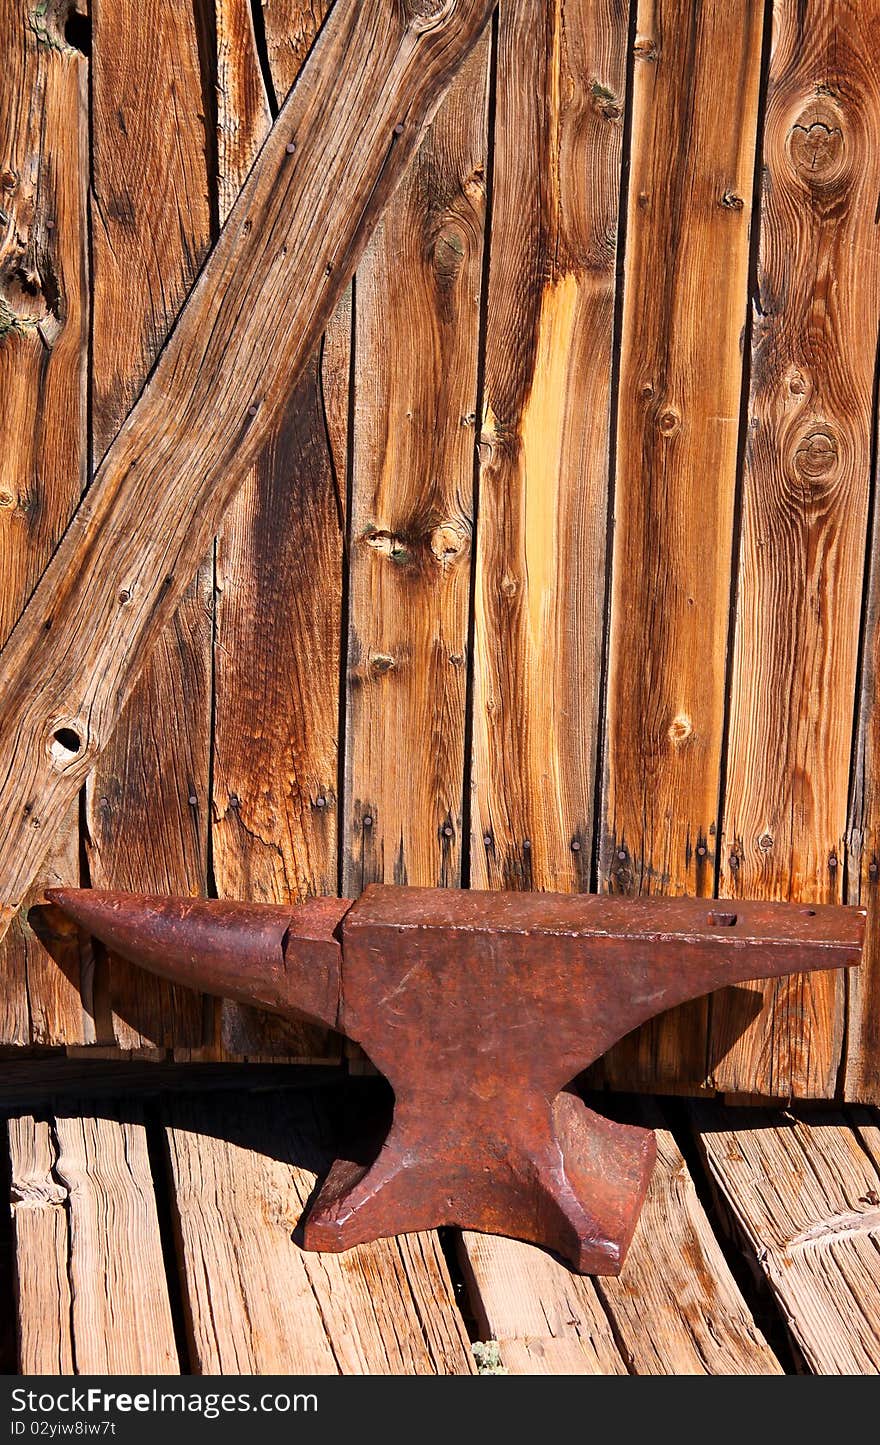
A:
[(559, 570)]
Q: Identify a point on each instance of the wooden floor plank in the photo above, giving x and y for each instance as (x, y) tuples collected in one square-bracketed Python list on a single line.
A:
[(92, 1291), (547, 1321), (804, 1194), (675, 1310), (258, 1304)]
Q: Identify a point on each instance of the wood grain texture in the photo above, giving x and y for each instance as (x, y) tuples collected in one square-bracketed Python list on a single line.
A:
[(684, 309), (147, 800), (92, 1293), (279, 602), (44, 320), (254, 317), (417, 324), (543, 471), (674, 1310), (255, 1302), (805, 502), (804, 1194), (546, 1320)]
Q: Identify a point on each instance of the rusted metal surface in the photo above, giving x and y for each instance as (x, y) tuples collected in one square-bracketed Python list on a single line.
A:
[(479, 1008)]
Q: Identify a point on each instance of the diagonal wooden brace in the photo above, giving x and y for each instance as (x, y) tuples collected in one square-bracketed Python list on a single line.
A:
[(479, 1008), (340, 144)]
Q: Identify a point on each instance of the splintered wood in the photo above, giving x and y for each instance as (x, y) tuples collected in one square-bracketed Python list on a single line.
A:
[(92, 1292)]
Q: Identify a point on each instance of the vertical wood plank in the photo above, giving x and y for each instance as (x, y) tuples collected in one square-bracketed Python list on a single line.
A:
[(147, 800), (805, 503), (44, 320), (92, 1292), (416, 346), (279, 591), (543, 470), (255, 1302), (862, 1073), (695, 105)]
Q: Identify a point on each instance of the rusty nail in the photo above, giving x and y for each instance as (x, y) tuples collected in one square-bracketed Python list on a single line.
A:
[(368, 820), (447, 831), (290, 147), (487, 839), (321, 802), (398, 129), (527, 845), (193, 800), (575, 846), (832, 861)]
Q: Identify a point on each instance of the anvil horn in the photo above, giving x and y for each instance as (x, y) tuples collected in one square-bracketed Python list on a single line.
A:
[(275, 957)]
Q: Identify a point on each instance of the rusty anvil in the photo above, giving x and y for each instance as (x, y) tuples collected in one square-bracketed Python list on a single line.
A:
[(479, 1008)]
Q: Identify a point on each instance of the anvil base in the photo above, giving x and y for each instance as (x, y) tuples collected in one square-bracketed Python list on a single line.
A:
[(573, 1181)]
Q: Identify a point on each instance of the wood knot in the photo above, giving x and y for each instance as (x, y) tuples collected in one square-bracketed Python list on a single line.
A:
[(645, 49), (382, 662), (816, 458), (509, 585), (669, 422), (680, 729), (796, 384), (450, 248), (388, 544), (604, 101), (448, 541), (817, 148)]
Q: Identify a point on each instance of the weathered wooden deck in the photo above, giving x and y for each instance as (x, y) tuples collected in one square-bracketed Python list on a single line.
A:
[(157, 1233)]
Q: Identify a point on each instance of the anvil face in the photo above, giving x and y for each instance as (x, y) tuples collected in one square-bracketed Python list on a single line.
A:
[(479, 1008)]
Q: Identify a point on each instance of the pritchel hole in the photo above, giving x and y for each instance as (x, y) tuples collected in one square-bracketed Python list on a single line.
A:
[(722, 920), (810, 912)]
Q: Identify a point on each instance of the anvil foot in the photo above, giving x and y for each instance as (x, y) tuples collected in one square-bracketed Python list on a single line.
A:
[(575, 1185)]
